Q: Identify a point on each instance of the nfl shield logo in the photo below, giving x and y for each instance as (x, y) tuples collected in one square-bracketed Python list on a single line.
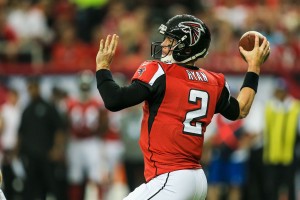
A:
[(141, 71)]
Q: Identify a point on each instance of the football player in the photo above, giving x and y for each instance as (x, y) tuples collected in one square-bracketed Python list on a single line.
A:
[(180, 101), (87, 123)]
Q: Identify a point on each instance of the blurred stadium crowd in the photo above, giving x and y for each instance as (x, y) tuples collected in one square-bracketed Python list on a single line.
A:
[(64, 34), (57, 41)]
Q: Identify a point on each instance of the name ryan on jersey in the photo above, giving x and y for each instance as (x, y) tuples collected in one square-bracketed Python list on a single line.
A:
[(196, 76)]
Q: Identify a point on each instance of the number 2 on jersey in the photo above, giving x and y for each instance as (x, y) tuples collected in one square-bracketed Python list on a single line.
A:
[(195, 115)]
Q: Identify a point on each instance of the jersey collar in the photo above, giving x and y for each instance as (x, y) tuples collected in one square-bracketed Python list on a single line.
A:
[(188, 66)]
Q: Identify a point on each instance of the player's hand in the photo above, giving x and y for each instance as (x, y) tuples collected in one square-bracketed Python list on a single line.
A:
[(106, 52), (256, 57)]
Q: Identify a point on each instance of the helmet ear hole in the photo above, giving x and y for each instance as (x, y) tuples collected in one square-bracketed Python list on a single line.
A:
[(188, 51)]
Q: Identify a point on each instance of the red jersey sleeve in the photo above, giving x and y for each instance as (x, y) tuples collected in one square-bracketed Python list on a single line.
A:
[(148, 72), (221, 82)]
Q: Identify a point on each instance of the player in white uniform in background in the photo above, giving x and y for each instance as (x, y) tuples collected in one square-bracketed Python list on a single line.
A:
[(87, 123), (11, 166)]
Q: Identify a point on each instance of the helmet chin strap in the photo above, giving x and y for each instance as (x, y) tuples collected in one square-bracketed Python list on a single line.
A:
[(168, 59), (195, 56)]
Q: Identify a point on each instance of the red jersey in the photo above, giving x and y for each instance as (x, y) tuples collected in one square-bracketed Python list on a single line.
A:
[(183, 103), (84, 117)]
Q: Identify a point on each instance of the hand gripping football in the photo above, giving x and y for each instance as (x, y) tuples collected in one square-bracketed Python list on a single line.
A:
[(247, 41)]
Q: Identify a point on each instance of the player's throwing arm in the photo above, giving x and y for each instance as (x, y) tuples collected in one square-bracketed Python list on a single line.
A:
[(255, 59)]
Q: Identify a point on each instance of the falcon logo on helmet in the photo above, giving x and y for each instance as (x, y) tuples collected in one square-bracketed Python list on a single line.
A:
[(193, 29)]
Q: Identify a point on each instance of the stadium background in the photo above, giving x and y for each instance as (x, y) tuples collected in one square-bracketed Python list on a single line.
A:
[(61, 37), (57, 39)]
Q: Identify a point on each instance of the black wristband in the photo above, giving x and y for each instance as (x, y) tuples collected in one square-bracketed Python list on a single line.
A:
[(251, 81)]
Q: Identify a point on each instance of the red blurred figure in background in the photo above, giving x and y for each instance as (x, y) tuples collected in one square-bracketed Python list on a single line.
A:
[(87, 122)]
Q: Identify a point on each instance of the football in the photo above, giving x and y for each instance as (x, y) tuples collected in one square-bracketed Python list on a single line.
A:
[(247, 41)]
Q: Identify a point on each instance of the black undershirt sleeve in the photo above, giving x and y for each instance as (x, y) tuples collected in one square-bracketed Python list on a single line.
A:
[(117, 98), (232, 112), (228, 106)]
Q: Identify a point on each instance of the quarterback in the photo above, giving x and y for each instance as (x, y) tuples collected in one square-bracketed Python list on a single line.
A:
[(180, 100)]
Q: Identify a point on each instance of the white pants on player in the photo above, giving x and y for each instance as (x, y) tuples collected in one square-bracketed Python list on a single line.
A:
[(85, 158), (188, 184)]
